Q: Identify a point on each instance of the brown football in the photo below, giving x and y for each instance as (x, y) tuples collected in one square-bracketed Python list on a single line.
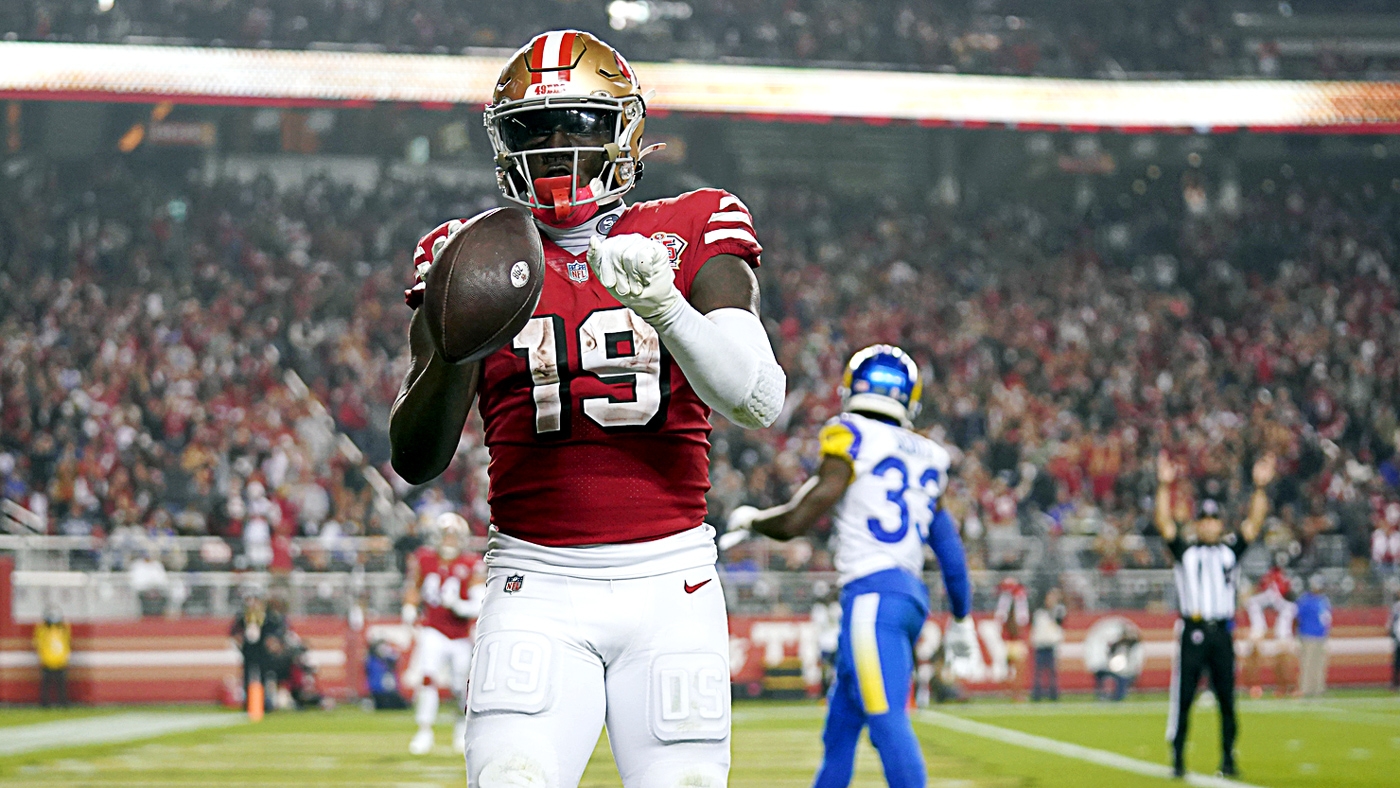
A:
[(484, 285)]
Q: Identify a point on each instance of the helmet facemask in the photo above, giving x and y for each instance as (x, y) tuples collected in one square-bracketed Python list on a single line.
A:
[(614, 126)]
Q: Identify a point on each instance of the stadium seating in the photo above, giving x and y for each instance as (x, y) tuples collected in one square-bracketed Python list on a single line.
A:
[(1174, 327), (1079, 38)]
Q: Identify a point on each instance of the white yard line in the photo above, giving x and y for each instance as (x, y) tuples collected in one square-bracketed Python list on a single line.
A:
[(107, 729), (1328, 705), (1078, 752)]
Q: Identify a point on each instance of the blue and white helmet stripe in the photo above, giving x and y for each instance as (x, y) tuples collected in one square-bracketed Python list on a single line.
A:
[(882, 379)]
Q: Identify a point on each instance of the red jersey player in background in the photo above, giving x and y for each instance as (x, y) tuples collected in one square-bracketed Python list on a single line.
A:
[(1013, 612), (602, 604), (443, 589), (1274, 590)]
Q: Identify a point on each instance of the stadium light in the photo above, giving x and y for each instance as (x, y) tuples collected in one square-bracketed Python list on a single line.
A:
[(636, 13), (248, 77), (621, 13)]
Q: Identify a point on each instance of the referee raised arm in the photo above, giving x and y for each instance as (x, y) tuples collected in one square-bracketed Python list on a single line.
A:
[(1206, 573)]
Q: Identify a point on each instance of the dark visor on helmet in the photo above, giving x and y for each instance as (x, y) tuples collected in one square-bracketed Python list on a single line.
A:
[(526, 130)]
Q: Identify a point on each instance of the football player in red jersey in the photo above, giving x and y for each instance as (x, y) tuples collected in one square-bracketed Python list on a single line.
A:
[(1014, 614), (447, 583), (602, 604), (1274, 590)]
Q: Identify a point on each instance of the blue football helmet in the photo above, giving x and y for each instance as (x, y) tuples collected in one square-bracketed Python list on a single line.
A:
[(883, 379)]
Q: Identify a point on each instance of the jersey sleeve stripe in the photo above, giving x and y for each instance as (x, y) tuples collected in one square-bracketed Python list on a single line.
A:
[(735, 234), (730, 216), (730, 201)]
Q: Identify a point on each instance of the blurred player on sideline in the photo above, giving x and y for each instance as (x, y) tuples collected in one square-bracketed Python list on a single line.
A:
[(884, 481), (603, 602), (1013, 612), (447, 583), (1274, 590)]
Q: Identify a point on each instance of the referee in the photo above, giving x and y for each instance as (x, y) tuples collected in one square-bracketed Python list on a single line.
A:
[(1206, 576)]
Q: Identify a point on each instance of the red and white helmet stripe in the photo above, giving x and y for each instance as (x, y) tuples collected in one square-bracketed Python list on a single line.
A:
[(551, 57)]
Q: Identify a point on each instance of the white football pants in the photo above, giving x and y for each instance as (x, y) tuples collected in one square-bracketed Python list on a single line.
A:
[(559, 657), (437, 661), (1259, 625)]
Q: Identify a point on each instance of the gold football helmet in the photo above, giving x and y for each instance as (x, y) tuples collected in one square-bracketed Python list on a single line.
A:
[(450, 534), (571, 82)]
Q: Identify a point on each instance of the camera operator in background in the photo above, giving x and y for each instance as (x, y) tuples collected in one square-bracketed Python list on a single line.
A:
[(1047, 633), (255, 626), (381, 677)]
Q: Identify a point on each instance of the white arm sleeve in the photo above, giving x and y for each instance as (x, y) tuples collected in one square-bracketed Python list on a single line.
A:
[(727, 359)]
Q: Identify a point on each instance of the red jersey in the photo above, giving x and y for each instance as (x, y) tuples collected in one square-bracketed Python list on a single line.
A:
[(594, 433), (1013, 609), (440, 581), (1275, 581)]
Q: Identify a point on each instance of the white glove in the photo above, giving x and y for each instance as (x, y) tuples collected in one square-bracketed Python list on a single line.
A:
[(741, 519), (961, 638), (637, 271), (739, 528), (410, 614)]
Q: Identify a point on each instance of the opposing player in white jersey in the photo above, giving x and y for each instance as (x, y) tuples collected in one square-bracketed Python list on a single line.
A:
[(884, 482), (446, 583)]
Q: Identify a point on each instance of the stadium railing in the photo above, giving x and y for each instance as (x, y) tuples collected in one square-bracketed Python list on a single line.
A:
[(107, 596), (190, 553), (123, 595)]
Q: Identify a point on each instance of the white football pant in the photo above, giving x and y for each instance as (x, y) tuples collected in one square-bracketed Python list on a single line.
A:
[(561, 656), (1259, 625), (438, 661)]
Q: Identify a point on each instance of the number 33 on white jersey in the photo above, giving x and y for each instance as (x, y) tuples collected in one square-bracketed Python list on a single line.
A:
[(896, 479)]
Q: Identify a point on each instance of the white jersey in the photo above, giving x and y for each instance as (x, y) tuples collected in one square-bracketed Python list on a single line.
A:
[(897, 476)]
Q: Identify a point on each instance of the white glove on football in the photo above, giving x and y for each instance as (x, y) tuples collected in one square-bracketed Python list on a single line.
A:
[(961, 638), (637, 271)]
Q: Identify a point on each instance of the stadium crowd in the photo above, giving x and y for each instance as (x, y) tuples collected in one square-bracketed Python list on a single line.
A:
[(147, 326), (144, 336), (1040, 37), (1064, 352)]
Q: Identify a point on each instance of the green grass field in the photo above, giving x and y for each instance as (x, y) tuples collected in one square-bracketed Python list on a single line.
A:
[(1352, 739)]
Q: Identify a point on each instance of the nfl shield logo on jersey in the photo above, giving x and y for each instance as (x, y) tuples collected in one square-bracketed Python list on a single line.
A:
[(674, 246), (578, 271), (513, 583)]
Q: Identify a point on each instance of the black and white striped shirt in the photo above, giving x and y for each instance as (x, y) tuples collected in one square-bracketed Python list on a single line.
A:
[(1206, 577)]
